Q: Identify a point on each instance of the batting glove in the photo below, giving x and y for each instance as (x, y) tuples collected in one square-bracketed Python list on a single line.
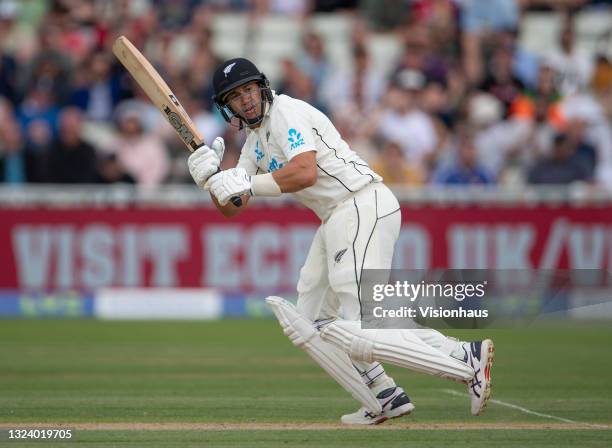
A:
[(205, 161), (228, 184)]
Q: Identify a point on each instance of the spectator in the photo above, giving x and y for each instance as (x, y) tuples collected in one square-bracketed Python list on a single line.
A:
[(312, 59), (419, 54), (440, 18), (393, 167), (465, 169), (359, 87), (17, 166), (110, 171), (51, 68), (540, 112), (524, 63), (403, 120), (564, 166), (483, 16), (101, 91), (294, 82), (573, 67), (39, 105), (495, 139), (143, 154), (71, 160), (500, 80), (480, 19), (8, 78)]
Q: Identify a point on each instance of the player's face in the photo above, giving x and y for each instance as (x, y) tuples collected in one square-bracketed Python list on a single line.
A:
[(246, 101)]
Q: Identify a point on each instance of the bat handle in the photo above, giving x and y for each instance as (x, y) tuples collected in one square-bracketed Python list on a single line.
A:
[(236, 200)]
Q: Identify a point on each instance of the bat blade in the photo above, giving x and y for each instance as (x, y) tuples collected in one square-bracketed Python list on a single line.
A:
[(160, 94), (158, 91)]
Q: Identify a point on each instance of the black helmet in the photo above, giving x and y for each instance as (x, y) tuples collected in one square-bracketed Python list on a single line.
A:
[(234, 73)]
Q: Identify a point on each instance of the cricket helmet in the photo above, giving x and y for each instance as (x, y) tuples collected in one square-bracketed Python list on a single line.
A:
[(235, 73)]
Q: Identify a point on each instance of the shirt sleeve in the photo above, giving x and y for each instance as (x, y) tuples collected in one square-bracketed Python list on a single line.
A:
[(292, 130)]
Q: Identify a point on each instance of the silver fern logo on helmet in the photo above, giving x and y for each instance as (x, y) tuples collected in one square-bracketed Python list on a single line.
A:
[(228, 69)]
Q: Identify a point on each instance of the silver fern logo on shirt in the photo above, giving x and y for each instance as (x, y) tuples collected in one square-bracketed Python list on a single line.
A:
[(295, 139)]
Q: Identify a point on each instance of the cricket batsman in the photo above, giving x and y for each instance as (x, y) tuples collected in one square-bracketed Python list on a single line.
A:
[(291, 147)]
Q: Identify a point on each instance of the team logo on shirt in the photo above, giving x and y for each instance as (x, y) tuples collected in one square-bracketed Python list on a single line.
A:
[(339, 255), (295, 138), (274, 165), (258, 152)]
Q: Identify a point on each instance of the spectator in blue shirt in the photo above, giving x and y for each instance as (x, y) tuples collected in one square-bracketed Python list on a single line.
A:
[(465, 169)]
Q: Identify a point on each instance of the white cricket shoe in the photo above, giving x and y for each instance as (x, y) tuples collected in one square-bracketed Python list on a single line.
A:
[(480, 358), (394, 403)]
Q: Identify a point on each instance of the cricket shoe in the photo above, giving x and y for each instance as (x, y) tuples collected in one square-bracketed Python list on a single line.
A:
[(479, 356), (394, 403)]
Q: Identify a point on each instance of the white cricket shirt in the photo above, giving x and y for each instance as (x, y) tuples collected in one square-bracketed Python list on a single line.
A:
[(291, 127)]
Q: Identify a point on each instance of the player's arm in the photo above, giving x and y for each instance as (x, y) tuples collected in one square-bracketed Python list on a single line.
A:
[(299, 173), (229, 210)]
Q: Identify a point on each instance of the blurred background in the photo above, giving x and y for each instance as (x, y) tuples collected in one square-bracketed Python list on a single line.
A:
[(491, 119)]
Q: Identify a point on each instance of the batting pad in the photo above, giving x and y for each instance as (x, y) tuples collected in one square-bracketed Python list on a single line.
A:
[(332, 359), (399, 347)]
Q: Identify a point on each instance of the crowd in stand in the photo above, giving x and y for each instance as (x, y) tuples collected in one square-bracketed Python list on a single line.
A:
[(464, 103)]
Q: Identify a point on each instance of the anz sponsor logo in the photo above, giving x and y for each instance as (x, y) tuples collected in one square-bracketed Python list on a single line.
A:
[(258, 152), (295, 138)]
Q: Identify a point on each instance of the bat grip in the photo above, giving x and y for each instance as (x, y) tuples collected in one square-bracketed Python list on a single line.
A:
[(236, 200)]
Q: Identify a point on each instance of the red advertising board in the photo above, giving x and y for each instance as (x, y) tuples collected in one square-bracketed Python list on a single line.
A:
[(264, 248)]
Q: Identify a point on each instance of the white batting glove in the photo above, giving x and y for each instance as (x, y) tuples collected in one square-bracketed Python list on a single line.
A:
[(205, 161), (218, 146), (229, 183)]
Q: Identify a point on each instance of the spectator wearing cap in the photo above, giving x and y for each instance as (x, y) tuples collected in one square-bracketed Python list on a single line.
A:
[(143, 154)]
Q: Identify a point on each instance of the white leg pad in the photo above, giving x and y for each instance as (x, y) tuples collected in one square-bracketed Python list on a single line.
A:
[(331, 358), (399, 347)]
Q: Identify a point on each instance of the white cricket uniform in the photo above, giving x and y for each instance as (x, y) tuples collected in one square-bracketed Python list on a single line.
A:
[(360, 215)]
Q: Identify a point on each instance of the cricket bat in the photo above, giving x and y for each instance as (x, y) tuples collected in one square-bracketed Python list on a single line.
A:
[(160, 94)]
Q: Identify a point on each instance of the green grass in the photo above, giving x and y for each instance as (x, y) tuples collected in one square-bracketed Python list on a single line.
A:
[(239, 371)]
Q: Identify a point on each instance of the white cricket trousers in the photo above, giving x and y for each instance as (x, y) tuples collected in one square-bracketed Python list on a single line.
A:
[(360, 234)]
